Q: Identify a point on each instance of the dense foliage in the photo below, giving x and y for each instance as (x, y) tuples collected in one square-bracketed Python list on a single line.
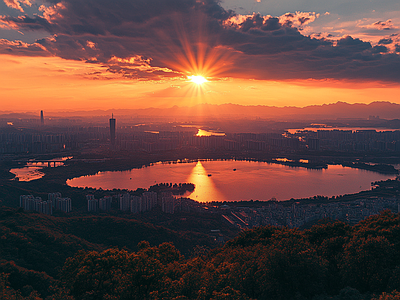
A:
[(328, 261)]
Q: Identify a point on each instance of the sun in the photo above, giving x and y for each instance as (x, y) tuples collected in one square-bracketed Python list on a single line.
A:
[(197, 79)]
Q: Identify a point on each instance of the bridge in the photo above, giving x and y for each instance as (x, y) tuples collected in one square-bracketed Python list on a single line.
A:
[(43, 161)]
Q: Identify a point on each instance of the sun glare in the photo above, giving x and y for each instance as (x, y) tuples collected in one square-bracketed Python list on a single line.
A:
[(197, 79)]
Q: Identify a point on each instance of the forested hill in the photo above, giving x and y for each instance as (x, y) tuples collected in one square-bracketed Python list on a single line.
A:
[(34, 247), (328, 261)]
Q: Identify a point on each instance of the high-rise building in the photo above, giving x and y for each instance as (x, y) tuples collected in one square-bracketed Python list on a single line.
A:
[(92, 204), (149, 200), (46, 207), (112, 129), (64, 204), (28, 202), (53, 197), (41, 118), (125, 202), (313, 144), (105, 203), (167, 202), (136, 204)]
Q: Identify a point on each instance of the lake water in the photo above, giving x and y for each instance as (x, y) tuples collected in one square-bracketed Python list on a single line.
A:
[(202, 132), (239, 180)]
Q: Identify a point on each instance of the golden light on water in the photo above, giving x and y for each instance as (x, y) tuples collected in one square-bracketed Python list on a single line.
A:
[(205, 188), (197, 79), (202, 132)]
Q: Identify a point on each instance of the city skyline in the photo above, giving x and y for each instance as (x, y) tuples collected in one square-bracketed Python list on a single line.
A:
[(137, 55)]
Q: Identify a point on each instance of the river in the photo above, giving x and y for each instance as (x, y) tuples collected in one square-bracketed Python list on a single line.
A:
[(32, 169)]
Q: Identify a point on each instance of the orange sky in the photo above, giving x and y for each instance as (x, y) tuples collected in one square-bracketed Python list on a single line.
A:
[(135, 54), (33, 83)]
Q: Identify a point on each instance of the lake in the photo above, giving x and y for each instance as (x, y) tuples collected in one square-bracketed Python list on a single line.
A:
[(232, 180)]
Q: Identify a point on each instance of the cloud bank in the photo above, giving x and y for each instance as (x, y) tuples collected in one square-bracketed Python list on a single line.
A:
[(157, 39)]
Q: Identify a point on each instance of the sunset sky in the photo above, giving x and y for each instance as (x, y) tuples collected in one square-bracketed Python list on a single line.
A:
[(102, 54)]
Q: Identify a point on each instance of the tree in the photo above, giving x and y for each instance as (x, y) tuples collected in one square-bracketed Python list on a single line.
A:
[(93, 275), (367, 263), (395, 295)]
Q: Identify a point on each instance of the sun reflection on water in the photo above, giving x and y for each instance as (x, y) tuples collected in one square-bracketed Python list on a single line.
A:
[(202, 132), (205, 188)]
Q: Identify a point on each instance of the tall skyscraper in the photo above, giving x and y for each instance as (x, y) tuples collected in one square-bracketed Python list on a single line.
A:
[(41, 118), (112, 129)]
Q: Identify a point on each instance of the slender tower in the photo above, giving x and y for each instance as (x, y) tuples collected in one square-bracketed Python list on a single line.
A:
[(112, 130), (41, 118)]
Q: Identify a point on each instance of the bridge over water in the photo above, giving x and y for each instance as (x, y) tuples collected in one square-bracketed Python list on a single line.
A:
[(49, 162)]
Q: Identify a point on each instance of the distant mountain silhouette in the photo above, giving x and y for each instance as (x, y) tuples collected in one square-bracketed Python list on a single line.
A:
[(385, 110)]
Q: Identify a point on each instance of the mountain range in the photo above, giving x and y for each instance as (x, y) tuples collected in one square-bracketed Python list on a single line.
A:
[(338, 110)]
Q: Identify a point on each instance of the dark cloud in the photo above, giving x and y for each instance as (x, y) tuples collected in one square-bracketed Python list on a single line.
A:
[(22, 49), (163, 31), (354, 45), (379, 49), (385, 41), (155, 39), (28, 23), (259, 42)]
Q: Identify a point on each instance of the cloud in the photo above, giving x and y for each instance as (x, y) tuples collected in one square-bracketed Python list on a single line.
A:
[(19, 48), (16, 4), (157, 39), (298, 19), (351, 59), (385, 41), (171, 33), (381, 25), (266, 23)]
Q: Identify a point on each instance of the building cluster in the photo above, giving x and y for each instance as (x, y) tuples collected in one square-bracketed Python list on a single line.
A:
[(125, 202), (164, 141), (145, 202), (296, 215), (40, 140), (320, 140), (143, 137), (70, 134), (24, 142), (350, 141), (136, 204), (53, 202), (96, 204)]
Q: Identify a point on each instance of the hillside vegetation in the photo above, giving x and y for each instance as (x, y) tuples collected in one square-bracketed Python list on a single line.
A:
[(329, 261)]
